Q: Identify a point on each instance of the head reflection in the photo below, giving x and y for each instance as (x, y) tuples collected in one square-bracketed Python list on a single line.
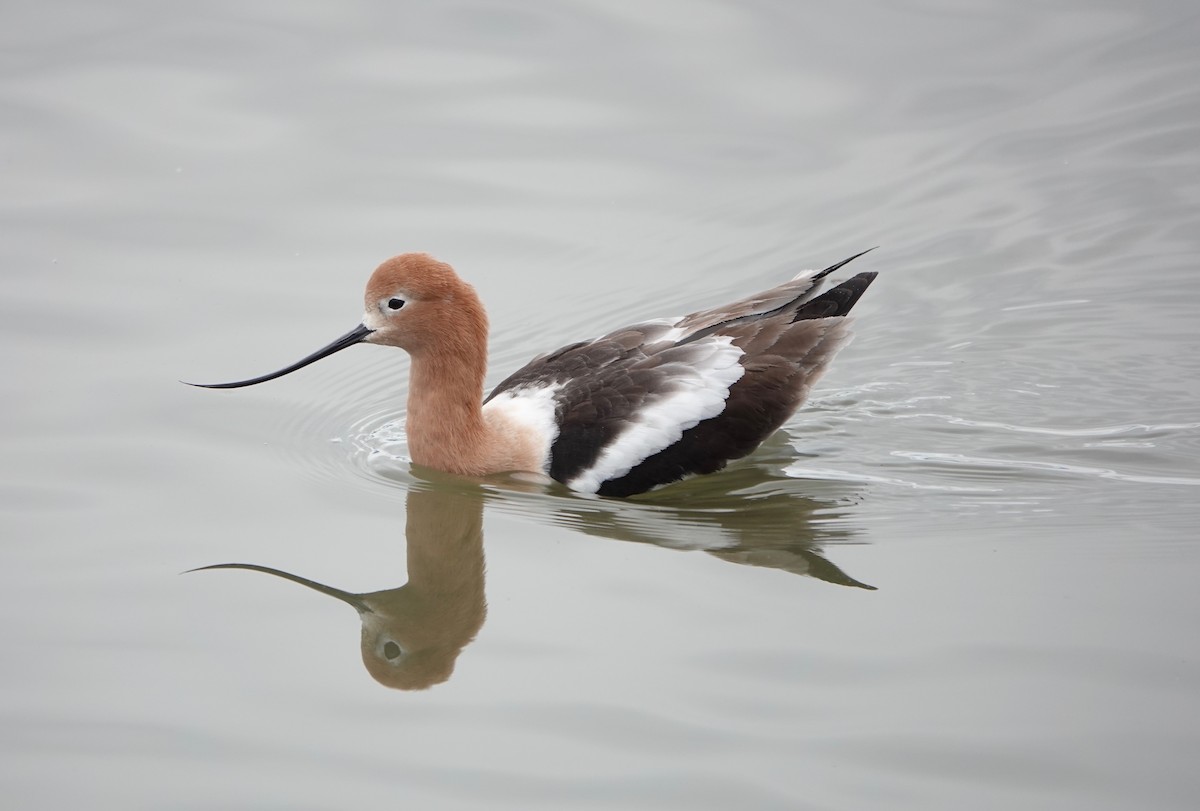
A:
[(412, 635)]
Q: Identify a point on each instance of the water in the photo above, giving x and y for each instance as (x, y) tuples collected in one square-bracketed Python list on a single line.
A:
[(962, 577)]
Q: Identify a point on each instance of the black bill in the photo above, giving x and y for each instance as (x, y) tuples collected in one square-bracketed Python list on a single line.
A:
[(354, 336), (352, 599)]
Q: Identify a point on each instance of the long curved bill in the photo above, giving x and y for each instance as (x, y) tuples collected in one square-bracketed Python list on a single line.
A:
[(354, 336), (355, 600)]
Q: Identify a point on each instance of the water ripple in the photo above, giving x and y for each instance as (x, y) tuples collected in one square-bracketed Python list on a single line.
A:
[(1146, 429), (985, 465)]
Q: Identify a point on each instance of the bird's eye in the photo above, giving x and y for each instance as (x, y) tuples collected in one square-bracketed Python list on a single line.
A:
[(391, 650), (395, 303)]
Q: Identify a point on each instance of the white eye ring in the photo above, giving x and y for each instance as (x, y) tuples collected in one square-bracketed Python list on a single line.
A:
[(391, 304)]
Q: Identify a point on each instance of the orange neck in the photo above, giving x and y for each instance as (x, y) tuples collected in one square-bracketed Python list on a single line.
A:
[(445, 423)]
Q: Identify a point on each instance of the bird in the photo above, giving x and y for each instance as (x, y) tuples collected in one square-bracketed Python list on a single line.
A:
[(640, 407)]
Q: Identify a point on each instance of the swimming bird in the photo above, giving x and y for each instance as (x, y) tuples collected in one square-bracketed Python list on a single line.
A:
[(643, 406)]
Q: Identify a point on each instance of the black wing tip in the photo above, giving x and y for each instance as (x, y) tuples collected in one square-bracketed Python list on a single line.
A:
[(837, 300), (842, 263)]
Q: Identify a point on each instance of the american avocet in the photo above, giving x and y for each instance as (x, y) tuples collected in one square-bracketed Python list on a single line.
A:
[(617, 415)]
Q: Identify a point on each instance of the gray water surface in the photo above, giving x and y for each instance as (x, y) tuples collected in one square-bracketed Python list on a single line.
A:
[(962, 577)]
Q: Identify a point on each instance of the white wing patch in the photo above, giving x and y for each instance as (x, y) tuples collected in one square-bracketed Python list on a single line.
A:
[(531, 408), (698, 391), (662, 330), (673, 334)]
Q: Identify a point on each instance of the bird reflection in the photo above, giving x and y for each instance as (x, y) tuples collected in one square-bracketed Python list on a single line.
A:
[(748, 518), (412, 635)]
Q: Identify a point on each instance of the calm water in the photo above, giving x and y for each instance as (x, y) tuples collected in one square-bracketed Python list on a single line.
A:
[(963, 577)]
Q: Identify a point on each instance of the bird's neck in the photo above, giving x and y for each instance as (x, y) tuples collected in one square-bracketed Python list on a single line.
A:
[(445, 424)]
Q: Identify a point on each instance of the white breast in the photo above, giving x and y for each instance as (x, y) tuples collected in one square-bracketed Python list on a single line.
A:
[(531, 410)]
